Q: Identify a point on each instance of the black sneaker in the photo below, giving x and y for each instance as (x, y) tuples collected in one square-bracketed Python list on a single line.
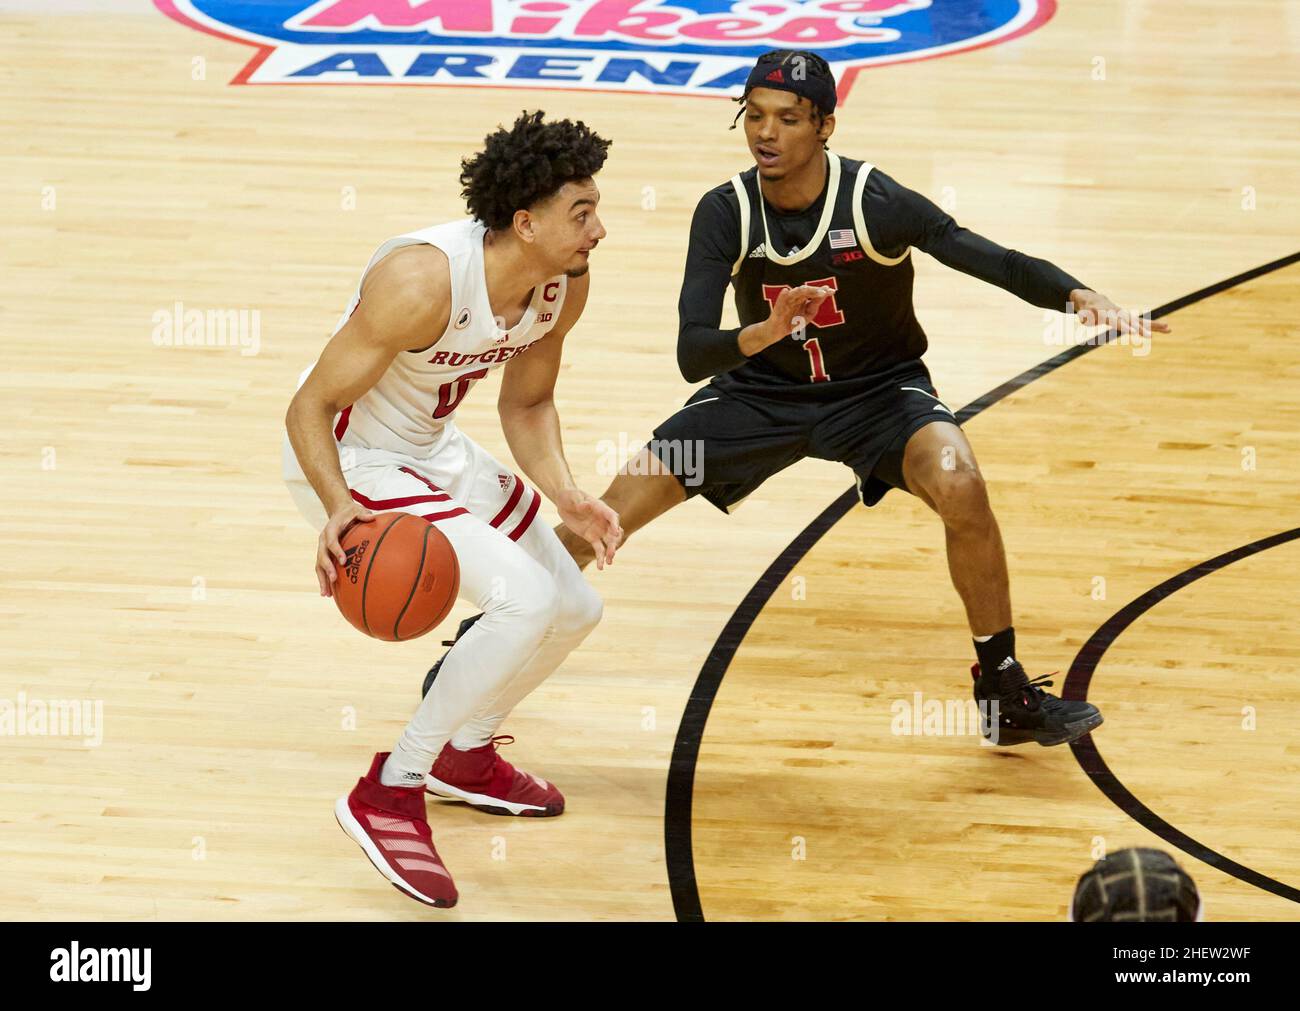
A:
[(1027, 713), (465, 626)]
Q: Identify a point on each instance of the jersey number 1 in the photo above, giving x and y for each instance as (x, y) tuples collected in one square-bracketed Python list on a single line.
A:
[(814, 349), (828, 314)]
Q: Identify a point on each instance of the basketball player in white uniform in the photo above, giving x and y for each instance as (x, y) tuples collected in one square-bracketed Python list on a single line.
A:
[(372, 429)]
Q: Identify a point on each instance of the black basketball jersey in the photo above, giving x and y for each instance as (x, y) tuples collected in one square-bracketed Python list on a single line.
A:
[(866, 327)]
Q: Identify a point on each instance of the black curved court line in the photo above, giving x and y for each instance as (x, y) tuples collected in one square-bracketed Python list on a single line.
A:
[(1085, 749), (678, 854)]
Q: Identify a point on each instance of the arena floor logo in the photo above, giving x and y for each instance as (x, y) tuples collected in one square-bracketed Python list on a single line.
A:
[(699, 47)]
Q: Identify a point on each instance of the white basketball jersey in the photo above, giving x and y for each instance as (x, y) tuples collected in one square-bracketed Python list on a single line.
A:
[(413, 404)]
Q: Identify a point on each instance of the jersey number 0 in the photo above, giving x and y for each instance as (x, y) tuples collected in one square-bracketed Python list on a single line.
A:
[(451, 394)]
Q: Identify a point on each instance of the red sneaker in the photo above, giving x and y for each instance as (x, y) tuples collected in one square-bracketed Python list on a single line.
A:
[(390, 825), (485, 780)]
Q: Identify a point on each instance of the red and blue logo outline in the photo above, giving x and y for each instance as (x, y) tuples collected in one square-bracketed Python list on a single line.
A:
[(690, 47)]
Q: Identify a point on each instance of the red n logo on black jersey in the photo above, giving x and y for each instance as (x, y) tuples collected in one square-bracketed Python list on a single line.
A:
[(828, 313)]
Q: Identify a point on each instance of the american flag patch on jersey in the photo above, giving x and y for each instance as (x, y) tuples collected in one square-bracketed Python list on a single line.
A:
[(842, 238)]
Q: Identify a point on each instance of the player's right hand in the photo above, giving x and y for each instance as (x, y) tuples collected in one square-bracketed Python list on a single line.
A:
[(794, 309), (329, 553), (593, 521)]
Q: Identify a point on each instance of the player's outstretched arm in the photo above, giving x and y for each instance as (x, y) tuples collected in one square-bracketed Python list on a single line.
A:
[(898, 217), (1037, 281), (532, 428), (405, 304), (1094, 309)]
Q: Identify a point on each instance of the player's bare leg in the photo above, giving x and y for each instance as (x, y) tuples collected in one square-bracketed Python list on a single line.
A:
[(939, 467), (641, 492)]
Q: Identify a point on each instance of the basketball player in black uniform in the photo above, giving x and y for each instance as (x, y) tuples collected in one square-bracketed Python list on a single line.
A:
[(827, 360)]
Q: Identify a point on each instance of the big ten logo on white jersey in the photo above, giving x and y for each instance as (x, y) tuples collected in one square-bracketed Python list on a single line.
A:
[(408, 408)]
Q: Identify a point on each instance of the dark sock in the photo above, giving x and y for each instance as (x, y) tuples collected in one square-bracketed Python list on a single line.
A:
[(996, 651)]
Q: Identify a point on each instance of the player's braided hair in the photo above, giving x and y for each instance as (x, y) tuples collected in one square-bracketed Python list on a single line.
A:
[(809, 76), (525, 164), (1136, 884)]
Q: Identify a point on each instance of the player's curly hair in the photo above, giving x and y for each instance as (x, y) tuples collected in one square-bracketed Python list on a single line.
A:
[(527, 163)]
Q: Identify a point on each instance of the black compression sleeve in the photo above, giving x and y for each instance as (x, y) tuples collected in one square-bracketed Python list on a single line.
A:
[(703, 350), (898, 217)]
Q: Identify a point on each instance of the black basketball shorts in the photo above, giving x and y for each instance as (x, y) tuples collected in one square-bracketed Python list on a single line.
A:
[(729, 438)]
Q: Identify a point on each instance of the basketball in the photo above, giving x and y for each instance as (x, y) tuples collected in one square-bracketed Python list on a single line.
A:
[(400, 579)]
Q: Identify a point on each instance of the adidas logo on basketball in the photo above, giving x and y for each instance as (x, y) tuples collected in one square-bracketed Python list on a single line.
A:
[(354, 556)]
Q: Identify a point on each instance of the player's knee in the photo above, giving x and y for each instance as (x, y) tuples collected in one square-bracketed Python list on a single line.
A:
[(579, 611), (540, 605), (960, 495)]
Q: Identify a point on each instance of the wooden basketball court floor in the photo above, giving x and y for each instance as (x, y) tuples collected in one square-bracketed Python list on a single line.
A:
[(154, 563)]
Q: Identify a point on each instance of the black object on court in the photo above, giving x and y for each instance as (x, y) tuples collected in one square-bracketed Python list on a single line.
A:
[(464, 627)]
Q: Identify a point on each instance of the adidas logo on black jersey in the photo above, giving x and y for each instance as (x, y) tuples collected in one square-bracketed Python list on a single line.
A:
[(760, 252)]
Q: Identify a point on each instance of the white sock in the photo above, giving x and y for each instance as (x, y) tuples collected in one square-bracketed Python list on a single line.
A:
[(404, 769)]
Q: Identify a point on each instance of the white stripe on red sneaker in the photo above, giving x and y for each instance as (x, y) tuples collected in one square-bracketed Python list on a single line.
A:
[(406, 846), (383, 824), (407, 864)]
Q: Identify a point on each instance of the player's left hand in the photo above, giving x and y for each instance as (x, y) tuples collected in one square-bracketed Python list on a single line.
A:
[(593, 521), (1094, 309)]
